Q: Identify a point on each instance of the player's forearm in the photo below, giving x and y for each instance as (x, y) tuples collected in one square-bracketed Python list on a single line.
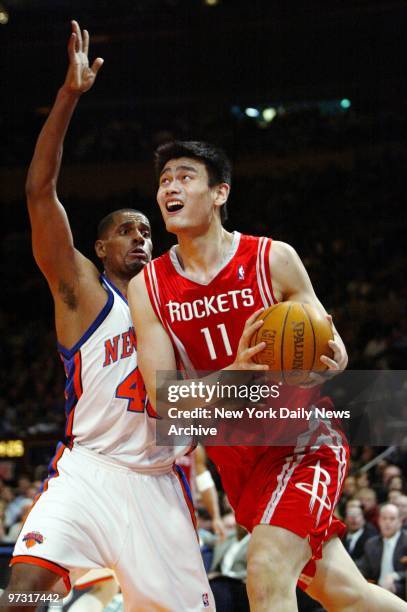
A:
[(45, 165)]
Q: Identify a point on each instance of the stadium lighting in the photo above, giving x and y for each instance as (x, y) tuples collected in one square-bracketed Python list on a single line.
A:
[(3, 15), (252, 112), (345, 103), (268, 114), (211, 2)]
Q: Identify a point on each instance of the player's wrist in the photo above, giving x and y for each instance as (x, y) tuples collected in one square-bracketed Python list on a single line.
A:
[(68, 93)]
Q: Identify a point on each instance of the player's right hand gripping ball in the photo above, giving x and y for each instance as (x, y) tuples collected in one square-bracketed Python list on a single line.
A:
[(296, 335)]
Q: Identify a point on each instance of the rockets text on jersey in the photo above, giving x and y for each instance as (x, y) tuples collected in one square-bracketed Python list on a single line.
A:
[(213, 314)]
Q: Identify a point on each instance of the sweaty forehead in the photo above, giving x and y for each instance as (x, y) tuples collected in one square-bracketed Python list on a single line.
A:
[(180, 163)]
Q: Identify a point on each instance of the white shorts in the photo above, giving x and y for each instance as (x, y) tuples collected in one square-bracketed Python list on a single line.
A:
[(95, 513)]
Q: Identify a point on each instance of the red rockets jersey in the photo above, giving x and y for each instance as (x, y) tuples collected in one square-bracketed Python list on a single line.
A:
[(205, 321)]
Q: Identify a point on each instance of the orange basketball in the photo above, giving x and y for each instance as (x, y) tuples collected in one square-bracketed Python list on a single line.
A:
[(296, 335)]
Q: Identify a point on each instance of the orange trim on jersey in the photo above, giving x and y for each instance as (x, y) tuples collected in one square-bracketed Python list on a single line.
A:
[(53, 567), (267, 268), (77, 384), (86, 585), (187, 499), (54, 467)]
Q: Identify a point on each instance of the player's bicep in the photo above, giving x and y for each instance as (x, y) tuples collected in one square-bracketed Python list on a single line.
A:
[(154, 348), (290, 278)]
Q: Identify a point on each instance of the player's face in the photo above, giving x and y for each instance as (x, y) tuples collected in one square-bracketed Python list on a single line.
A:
[(127, 247), (186, 201)]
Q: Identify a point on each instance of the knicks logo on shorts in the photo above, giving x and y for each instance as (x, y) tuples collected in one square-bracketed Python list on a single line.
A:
[(205, 599), (32, 538), (318, 490)]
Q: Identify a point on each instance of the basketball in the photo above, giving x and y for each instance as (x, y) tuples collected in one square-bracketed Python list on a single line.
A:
[(296, 335)]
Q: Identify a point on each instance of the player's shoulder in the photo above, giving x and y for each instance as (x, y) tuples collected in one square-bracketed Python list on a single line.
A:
[(283, 250), (284, 258)]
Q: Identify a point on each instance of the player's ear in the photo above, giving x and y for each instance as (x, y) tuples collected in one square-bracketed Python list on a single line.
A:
[(100, 248), (221, 193)]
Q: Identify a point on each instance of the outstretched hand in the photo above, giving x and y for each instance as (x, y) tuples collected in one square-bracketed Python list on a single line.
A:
[(80, 76)]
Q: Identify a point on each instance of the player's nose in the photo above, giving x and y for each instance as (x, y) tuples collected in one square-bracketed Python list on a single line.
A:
[(138, 237), (172, 187)]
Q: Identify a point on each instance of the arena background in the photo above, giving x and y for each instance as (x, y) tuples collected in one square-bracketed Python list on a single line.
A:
[(307, 98)]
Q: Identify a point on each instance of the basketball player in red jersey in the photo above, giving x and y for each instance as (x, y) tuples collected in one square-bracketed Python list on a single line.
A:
[(197, 304)]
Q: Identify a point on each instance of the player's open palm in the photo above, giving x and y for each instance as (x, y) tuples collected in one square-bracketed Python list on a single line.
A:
[(80, 76)]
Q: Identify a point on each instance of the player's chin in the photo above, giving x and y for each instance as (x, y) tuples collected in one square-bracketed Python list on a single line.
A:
[(175, 224), (134, 267)]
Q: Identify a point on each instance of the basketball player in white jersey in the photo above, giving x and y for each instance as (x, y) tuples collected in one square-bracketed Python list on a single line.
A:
[(113, 499), (197, 305)]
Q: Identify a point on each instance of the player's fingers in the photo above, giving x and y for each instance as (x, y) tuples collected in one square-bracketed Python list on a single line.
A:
[(76, 29), (332, 365), (329, 318), (248, 333), (85, 38), (260, 367), (72, 46), (253, 317), (253, 350), (97, 64)]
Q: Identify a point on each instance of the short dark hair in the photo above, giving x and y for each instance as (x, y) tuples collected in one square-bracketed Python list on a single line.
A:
[(107, 221), (217, 163)]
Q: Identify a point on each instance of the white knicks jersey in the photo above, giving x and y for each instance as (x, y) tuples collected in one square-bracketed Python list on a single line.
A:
[(106, 407)]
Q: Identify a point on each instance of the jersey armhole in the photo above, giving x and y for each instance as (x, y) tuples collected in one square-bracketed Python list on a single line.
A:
[(69, 353)]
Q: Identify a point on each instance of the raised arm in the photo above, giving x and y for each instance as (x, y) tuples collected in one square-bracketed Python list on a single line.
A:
[(291, 282), (53, 248)]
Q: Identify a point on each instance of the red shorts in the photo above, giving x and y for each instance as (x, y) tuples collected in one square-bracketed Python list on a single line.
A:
[(298, 492)]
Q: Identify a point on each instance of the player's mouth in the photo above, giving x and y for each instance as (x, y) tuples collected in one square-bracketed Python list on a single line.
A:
[(173, 206), (138, 253)]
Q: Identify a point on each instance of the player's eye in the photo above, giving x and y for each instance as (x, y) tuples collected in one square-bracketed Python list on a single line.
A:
[(165, 180), (187, 178)]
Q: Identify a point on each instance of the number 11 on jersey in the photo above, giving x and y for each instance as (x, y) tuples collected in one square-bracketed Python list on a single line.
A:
[(209, 342)]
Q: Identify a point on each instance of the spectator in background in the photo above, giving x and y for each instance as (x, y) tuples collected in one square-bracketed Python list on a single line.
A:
[(227, 575), (20, 501), (368, 499), (382, 558), (16, 527), (401, 503), (393, 497), (358, 531), (396, 483)]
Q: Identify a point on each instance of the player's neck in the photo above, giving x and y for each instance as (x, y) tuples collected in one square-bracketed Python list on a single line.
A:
[(120, 283), (200, 256)]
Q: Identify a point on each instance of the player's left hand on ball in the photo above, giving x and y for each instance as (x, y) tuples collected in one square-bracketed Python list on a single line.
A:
[(245, 352), (336, 363)]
